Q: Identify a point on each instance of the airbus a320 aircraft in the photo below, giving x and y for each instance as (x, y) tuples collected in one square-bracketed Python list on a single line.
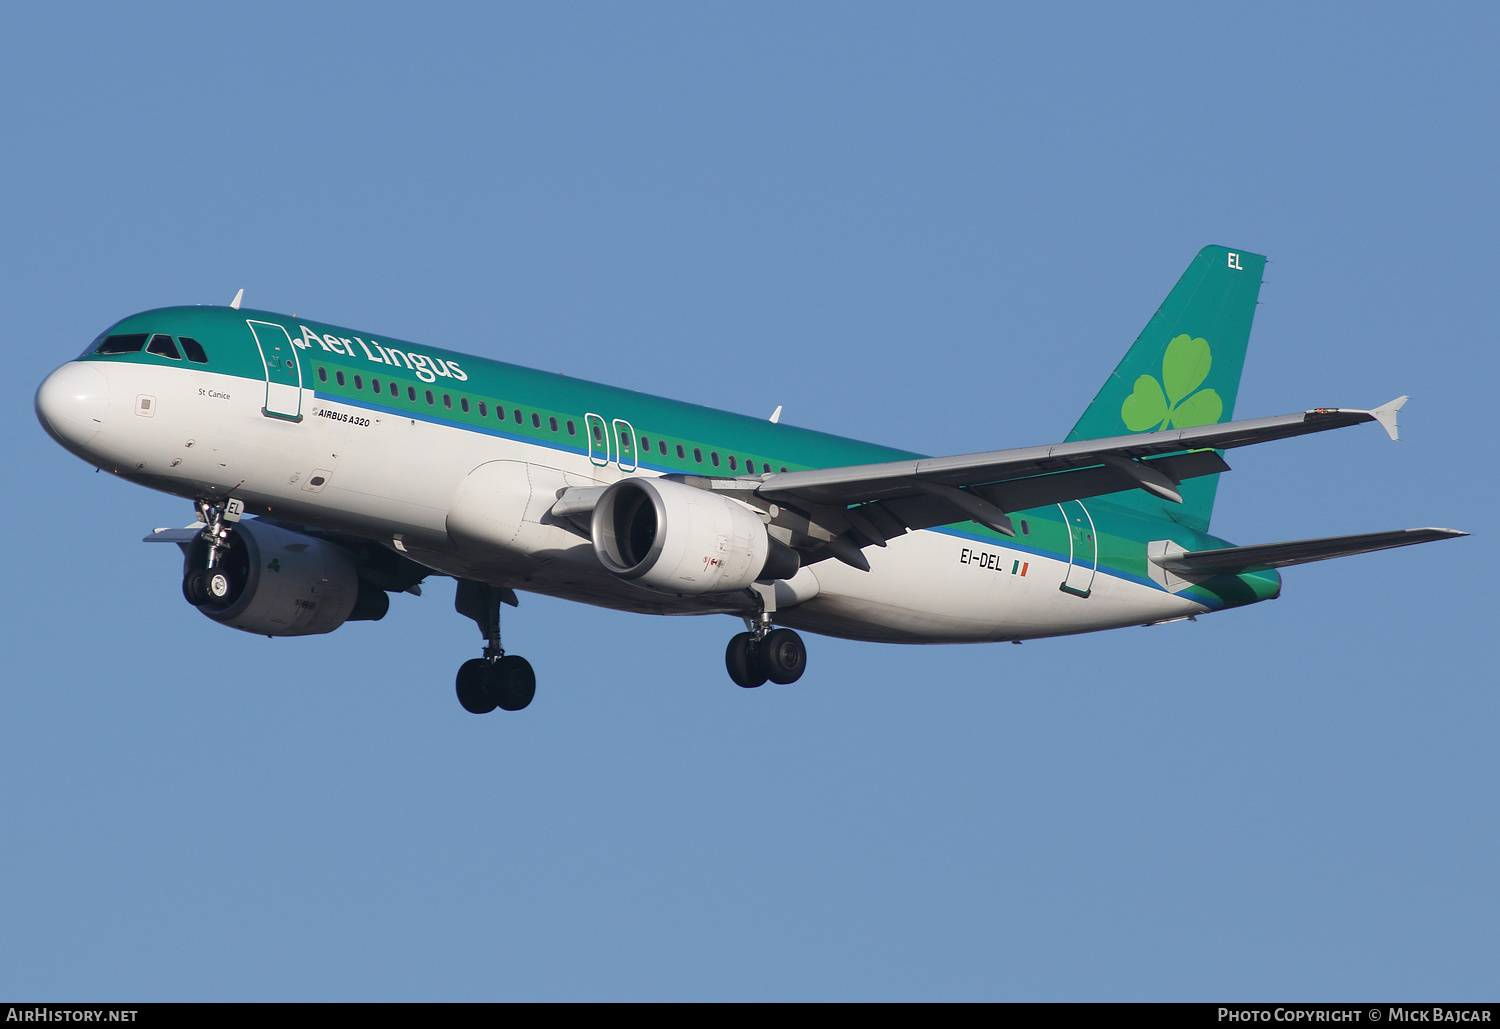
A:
[(370, 463)]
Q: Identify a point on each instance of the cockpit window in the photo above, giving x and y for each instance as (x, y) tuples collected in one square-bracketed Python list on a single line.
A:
[(128, 344), (193, 349), (162, 345)]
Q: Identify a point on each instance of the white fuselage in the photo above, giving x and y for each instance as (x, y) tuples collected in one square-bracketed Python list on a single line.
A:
[(399, 480)]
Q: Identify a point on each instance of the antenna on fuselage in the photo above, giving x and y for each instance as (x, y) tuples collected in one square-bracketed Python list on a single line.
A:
[(235, 303), (776, 415)]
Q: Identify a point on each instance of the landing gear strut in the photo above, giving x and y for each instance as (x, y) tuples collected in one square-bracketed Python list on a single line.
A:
[(216, 583), (765, 653), (497, 679)]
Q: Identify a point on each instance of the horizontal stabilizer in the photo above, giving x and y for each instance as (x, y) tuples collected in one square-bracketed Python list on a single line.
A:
[(185, 535), (1232, 560)]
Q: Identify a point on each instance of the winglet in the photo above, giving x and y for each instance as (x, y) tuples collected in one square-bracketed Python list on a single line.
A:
[(235, 303), (1385, 414), (776, 415)]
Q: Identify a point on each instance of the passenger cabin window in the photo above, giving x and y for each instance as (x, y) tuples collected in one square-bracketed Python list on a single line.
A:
[(518, 416), (572, 431), (714, 456), (193, 349), (681, 454), (447, 401), (697, 455), (663, 444), (322, 374), (552, 424), (340, 377), (359, 382), (731, 462), (429, 398), (128, 344), (536, 420), (484, 410), (395, 390), (375, 385), (411, 394)]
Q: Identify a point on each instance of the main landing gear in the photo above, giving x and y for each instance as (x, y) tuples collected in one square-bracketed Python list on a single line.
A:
[(765, 653), (218, 581), (498, 679)]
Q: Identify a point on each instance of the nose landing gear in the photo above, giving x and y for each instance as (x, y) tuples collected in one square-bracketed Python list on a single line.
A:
[(216, 584), (497, 679)]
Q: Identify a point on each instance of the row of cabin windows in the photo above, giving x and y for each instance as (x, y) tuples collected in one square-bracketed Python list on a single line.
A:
[(536, 421), (160, 344), (713, 455), (463, 402)]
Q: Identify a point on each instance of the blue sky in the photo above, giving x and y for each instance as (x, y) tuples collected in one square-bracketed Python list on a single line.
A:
[(933, 226)]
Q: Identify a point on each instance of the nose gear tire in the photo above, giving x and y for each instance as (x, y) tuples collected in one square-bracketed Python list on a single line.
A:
[(195, 587), (219, 586)]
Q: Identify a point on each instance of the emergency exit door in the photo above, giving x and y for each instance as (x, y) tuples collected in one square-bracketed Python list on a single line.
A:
[(1083, 549)]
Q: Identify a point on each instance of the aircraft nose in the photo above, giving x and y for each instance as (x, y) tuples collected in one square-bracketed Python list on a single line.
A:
[(71, 403)]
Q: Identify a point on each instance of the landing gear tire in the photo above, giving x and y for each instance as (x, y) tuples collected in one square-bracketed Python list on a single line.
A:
[(510, 683), (782, 656), (742, 658), (219, 586), (195, 587), (472, 693)]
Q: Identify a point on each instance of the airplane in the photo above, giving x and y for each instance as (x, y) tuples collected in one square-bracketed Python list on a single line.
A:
[(366, 464)]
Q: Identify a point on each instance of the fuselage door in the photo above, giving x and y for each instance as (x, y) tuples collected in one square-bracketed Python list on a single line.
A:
[(1083, 548), (598, 434), (283, 370), (625, 445)]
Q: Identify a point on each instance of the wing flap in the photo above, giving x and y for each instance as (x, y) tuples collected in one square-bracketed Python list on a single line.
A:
[(1058, 487)]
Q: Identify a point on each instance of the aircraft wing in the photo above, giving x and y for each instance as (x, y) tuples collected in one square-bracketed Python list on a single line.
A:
[(899, 495)]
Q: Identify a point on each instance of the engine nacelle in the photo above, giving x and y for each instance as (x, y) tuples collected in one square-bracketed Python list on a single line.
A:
[(286, 583), (674, 538)]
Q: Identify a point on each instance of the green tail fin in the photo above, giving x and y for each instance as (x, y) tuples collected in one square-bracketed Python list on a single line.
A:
[(1183, 370)]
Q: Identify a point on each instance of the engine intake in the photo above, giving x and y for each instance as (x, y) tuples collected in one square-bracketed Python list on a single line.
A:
[(674, 538)]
